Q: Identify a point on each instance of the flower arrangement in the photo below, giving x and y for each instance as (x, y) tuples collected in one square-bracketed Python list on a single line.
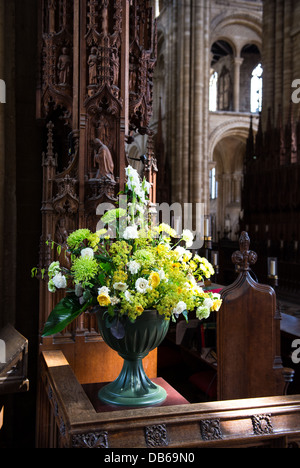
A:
[(142, 267)]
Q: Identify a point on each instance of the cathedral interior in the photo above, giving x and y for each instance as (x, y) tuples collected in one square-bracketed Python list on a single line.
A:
[(200, 96)]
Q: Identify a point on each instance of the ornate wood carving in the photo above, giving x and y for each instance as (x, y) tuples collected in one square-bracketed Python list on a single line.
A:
[(275, 420), (86, 115), (262, 424), (98, 439), (156, 436), (211, 429), (142, 58), (244, 257), (85, 104)]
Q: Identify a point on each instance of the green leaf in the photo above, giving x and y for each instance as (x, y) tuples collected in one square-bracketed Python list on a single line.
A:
[(33, 272), (185, 314), (103, 258), (63, 313)]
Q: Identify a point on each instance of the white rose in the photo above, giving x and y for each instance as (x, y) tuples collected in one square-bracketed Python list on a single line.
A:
[(88, 252), (59, 281), (133, 267), (130, 232), (181, 306), (208, 302), (142, 285), (103, 290)]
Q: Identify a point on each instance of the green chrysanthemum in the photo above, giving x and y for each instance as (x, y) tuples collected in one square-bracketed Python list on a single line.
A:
[(145, 257), (76, 238), (85, 269), (112, 215)]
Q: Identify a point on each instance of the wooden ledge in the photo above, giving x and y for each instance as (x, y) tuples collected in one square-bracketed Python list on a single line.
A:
[(247, 422)]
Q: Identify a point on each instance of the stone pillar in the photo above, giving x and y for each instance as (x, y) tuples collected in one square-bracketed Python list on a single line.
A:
[(268, 50), (237, 62), (199, 171), (281, 53)]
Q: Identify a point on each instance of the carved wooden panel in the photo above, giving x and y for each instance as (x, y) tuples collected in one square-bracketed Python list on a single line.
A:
[(271, 422), (88, 105), (94, 88)]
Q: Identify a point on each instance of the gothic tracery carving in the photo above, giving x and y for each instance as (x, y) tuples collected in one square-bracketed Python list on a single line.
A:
[(82, 94)]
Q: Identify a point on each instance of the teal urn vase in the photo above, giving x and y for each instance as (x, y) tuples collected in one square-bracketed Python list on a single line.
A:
[(136, 339)]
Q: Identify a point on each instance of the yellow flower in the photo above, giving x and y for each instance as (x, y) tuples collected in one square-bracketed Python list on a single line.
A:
[(163, 227), (103, 299), (162, 249), (93, 240), (139, 309), (154, 279), (120, 276), (217, 304)]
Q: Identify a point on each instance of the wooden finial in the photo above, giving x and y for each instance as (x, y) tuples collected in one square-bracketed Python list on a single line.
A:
[(244, 257)]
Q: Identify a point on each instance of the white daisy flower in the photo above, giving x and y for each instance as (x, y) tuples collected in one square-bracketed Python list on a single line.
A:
[(142, 285)]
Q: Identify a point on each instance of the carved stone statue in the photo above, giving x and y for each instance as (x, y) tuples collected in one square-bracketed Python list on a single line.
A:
[(103, 159), (64, 67)]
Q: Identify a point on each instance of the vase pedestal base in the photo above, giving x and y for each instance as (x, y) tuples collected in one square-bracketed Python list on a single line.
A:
[(155, 396), (132, 388)]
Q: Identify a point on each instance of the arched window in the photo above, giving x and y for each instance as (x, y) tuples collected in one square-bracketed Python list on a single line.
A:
[(221, 78), (213, 184), (256, 89)]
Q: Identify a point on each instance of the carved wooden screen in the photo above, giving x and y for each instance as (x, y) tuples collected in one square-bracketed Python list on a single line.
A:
[(94, 93)]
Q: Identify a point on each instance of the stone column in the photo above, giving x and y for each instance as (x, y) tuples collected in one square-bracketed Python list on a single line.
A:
[(199, 173), (268, 50), (237, 62)]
